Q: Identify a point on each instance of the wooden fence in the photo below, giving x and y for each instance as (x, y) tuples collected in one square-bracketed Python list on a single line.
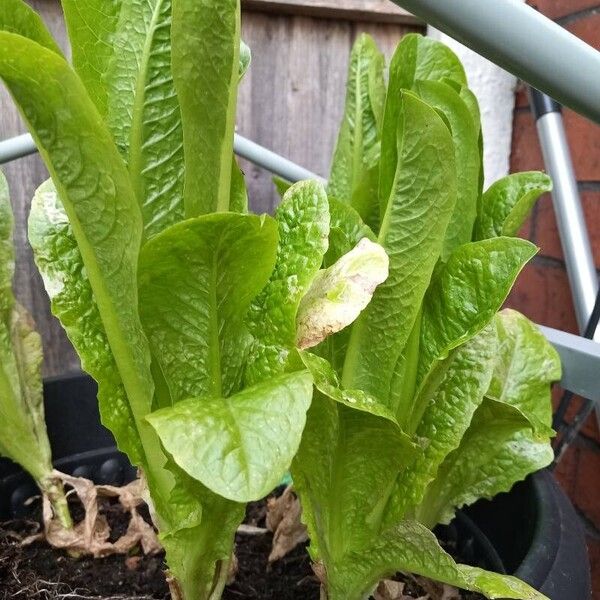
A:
[(291, 101)]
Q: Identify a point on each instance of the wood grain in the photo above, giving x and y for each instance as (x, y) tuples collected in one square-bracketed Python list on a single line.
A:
[(291, 101), (356, 10)]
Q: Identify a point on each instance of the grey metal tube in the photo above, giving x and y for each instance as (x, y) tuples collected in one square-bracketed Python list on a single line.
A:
[(581, 361), (23, 145), (16, 147), (518, 38), (569, 217), (270, 161)]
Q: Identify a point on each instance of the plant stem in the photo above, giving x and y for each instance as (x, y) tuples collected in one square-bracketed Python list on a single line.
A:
[(220, 580), (53, 489)]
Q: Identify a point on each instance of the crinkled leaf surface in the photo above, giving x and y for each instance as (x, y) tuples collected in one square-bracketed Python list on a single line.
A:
[(303, 218), (347, 462), (59, 261), (412, 234), (327, 382), (122, 51), (466, 293), (339, 293), (91, 25), (197, 280), (18, 17), (526, 367), (416, 58), (239, 447), (206, 70), (509, 436), (465, 136), (346, 230), (359, 134), (412, 548), (200, 544), (94, 188), (450, 397), (507, 203), (23, 435), (499, 449)]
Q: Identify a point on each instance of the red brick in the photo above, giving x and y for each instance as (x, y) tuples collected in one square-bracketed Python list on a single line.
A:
[(590, 427), (526, 153), (587, 29), (566, 471), (542, 293), (546, 231), (582, 135), (521, 95), (584, 141), (556, 9), (587, 487)]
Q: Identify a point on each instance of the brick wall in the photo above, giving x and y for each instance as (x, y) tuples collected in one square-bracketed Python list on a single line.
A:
[(543, 292)]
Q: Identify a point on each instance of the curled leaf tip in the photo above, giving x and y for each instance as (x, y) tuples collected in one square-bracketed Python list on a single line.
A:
[(340, 293)]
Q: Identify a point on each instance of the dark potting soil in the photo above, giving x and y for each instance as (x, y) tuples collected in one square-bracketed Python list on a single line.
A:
[(38, 572)]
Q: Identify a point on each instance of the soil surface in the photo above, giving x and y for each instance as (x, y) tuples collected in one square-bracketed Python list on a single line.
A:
[(38, 572)]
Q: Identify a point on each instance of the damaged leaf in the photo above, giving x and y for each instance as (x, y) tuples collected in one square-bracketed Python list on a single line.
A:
[(340, 293), (284, 521)]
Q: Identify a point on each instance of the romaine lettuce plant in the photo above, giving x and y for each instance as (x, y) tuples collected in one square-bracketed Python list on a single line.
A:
[(180, 304), (23, 436), (432, 399), (195, 317)]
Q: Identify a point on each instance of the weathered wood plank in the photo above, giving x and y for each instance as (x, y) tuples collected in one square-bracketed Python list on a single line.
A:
[(292, 97), (355, 10), (291, 101), (24, 176)]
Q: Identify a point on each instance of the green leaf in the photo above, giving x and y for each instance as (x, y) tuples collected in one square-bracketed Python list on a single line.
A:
[(59, 261), (340, 293), (499, 449), (122, 51), (359, 133), (347, 462), (526, 367), (197, 280), (465, 136), (239, 447), (92, 25), (412, 548), (412, 234), (346, 230), (245, 58), (327, 382), (94, 188), (23, 435), (466, 293), (303, 218), (510, 433), (239, 192), (281, 185), (507, 203), (200, 543), (449, 399), (416, 58), (206, 70), (18, 17)]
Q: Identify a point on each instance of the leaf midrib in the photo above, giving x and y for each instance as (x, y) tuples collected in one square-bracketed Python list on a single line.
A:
[(137, 122)]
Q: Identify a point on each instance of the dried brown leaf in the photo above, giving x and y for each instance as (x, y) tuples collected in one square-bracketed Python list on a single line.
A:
[(91, 535), (284, 520)]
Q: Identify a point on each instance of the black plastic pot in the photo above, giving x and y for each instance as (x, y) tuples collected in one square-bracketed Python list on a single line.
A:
[(532, 532)]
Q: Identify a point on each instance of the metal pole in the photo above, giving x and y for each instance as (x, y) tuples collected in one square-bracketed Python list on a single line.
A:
[(580, 357), (518, 38), (23, 145), (570, 219)]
